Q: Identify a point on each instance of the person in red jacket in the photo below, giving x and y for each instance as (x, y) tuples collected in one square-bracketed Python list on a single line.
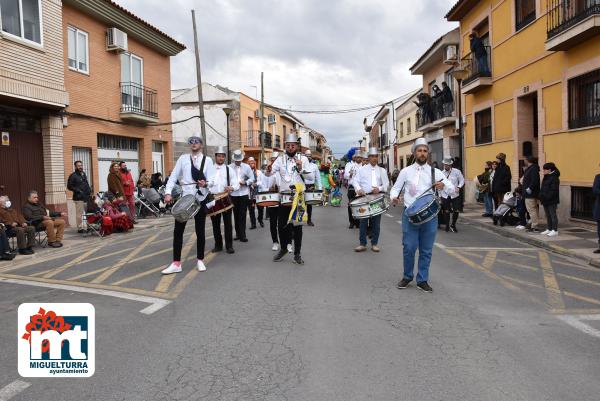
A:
[(129, 188)]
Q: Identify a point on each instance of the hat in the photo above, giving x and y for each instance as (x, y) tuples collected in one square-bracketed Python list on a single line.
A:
[(365, 154), (196, 138), (220, 150), (448, 161), (274, 155), (308, 152), (291, 138), (501, 156), (373, 152), (357, 154), (419, 142), (238, 155)]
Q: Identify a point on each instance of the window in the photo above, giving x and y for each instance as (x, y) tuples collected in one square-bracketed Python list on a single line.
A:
[(132, 74), (78, 49), (117, 142), (584, 100), (525, 13), (284, 131), (483, 126), (22, 18), (582, 203), (401, 129), (408, 127)]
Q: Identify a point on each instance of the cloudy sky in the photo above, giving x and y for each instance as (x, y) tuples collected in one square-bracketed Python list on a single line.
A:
[(316, 54)]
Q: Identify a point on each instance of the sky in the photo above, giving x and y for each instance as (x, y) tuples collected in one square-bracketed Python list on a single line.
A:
[(315, 54)]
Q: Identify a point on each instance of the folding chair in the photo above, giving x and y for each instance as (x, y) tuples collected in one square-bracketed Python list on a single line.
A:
[(41, 238), (93, 228)]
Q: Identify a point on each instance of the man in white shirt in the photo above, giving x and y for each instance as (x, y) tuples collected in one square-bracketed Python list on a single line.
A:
[(191, 168), (241, 197), (351, 170), (451, 199), (291, 168), (370, 179), (417, 179), (312, 182), (270, 183), (224, 180), (252, 208)]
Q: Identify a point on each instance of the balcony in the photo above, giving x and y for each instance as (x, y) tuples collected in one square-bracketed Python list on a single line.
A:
[(571, 22), (480, 72), (434, 113), (277, 141), (253, 139), (138, 103)]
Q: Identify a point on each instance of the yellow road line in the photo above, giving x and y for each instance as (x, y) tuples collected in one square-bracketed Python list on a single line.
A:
[(582, 298), (64, 267), (576, 311), (166, 280), (523, 255), (582, 280), (105, 275), (187, 279), (471, 254), (35, 260), (489, 260), (512, 264), (139, 275), (44, 273), (84, 275), (553, 294)]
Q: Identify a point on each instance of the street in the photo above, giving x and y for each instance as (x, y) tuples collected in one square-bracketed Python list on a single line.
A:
[(506, 321)]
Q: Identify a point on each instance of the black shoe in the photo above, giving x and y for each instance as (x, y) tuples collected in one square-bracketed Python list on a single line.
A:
[(236, 239), (230, 250), (597, 250), (30, 249), (55, 244), (351, 226), (282, 252), (310, 223), (217, 249), (7, 256), (453, 229), (424, 287), (253, 227), (447, 228), (25, 251), (298, 260), (403, 283), (261, 223), (80, 231), (244, 239), (533, 230)]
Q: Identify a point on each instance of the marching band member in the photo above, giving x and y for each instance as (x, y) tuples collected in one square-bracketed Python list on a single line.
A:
[(451, 199), (356, 163), (241, 197), (271, 183), (224, 180), (193, 167), (252, 207), (416, 180), (370, 179), (313, 181), (292, 168)]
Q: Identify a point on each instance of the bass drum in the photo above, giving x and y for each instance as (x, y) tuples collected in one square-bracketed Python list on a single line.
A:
[(222, 204)]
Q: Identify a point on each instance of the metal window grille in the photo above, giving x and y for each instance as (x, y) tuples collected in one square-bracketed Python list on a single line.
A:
[(584, 100), (483, 126)]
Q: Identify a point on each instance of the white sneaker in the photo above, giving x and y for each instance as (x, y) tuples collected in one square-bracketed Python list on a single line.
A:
[(546, 232), (519, 227), (290, 248), (275, 246), (553, 233), (173, 268), (200, 265)]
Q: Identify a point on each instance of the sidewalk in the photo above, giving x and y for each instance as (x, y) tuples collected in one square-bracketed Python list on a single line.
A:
[(576, 241)]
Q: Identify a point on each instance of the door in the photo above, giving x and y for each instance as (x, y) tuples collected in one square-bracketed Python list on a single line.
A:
[(132, 82), (158, 158), (116, 148), (85, 156)]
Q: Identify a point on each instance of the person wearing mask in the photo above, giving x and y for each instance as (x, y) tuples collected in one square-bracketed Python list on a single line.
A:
[(270, 183), (129, 189), (596, 213), (530, 183), (223, 180), (549, 197), (42, 219), (16, 225), (79, 185), (314, 182), (501, 183), (241, 197)]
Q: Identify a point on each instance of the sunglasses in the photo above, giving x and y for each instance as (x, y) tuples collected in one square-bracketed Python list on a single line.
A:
[(194, 141)]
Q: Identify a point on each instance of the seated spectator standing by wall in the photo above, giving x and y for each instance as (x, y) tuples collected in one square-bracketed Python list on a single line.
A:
[(17, 226), (79, 185), (38, 216), (5, 253), (596, 191), (531, 190), (501, 183), (549, 197)]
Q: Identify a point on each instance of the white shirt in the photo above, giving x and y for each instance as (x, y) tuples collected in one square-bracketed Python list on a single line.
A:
[(315, 176), (352, 172), (369, 177), (416, 179), (245, 177), (285, 168), (219, 180), (457, 179), (182, 172), (264, 182)]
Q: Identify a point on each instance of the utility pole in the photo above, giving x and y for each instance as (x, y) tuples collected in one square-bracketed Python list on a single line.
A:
[(199, 83), (262, 120)]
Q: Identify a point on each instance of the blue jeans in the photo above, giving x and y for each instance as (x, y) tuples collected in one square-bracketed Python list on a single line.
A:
[(419, 237), (488, 202), (375, 224)]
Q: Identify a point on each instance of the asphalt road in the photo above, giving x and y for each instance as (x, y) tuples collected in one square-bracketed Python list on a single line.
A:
[(505, 321)]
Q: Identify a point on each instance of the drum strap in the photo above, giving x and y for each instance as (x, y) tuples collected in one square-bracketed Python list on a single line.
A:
[(435, 192), (227, 172)]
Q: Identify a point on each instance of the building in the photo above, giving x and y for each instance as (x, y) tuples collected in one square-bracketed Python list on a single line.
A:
[(535, 92), (117, 73), (313, 140), (436, 116), (406, 130), (32, 94)]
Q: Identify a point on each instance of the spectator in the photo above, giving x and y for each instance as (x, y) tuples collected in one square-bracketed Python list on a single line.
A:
[(481, 56), (17, 226), (42, 219), (144, 180), (501, 183), (448, 99), (115, 185), (521, 208), (79, 185), (129, 189), (5, 253), (156, 181), (596, 191), (549, 197), (483, 185), (531, 191), (120, 221)]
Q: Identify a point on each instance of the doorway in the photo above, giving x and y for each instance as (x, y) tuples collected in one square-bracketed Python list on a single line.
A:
[(527, 128)]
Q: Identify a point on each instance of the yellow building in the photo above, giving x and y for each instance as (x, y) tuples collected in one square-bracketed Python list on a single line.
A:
[(540, 95), (406, 130)]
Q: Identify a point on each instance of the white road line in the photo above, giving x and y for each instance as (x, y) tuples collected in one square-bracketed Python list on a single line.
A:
[(10, 390), (576, 321), (155, 303), (484, 248)]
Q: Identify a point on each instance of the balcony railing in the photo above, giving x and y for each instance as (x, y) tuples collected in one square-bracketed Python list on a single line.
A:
[(277, 141), (138, 99), (563, 14), (478, 67), (253, 139), (432, 109)]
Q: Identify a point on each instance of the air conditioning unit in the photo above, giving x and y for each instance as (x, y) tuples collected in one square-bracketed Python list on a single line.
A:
[(271, 119), (451, 55), (257, 113), (116, 40)]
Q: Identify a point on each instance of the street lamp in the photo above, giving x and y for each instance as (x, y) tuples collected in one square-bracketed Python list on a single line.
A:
[(228, 110), (360, 141), (460, 73)]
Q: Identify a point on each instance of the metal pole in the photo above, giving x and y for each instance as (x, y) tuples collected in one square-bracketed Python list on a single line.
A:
[(262, 120), (228, 152), (460, 129), (199, 82)]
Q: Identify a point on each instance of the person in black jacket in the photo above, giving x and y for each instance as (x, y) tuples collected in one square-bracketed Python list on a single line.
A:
[(549, 197), (531, 191), (78, 183), (501, 183), (481, 54)]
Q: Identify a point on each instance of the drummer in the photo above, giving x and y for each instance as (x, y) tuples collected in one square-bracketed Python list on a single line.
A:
[(291, 168), (224, 180), (351, 170), (241, 197), (416, 180), (370, 179), (451, 200), (271, 184), (191, 168), (312, 182)]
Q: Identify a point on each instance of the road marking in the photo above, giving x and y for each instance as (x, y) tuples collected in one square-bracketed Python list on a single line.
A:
[(512, 264), (523, 255), (472, 254), (553, 294), (156, 303), (483, 248), (389, 215), (10, 390), (85, 261), (489, 260), (166, 280), (188, 278), (70, 264), (576, 322), (582, 280), (93, 272)]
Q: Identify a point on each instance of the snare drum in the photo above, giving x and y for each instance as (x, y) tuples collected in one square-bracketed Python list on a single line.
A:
[(313, 197), (222, 204), (268, 199), (185, 208), (287, 198), (423, 209), (369, 205)]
